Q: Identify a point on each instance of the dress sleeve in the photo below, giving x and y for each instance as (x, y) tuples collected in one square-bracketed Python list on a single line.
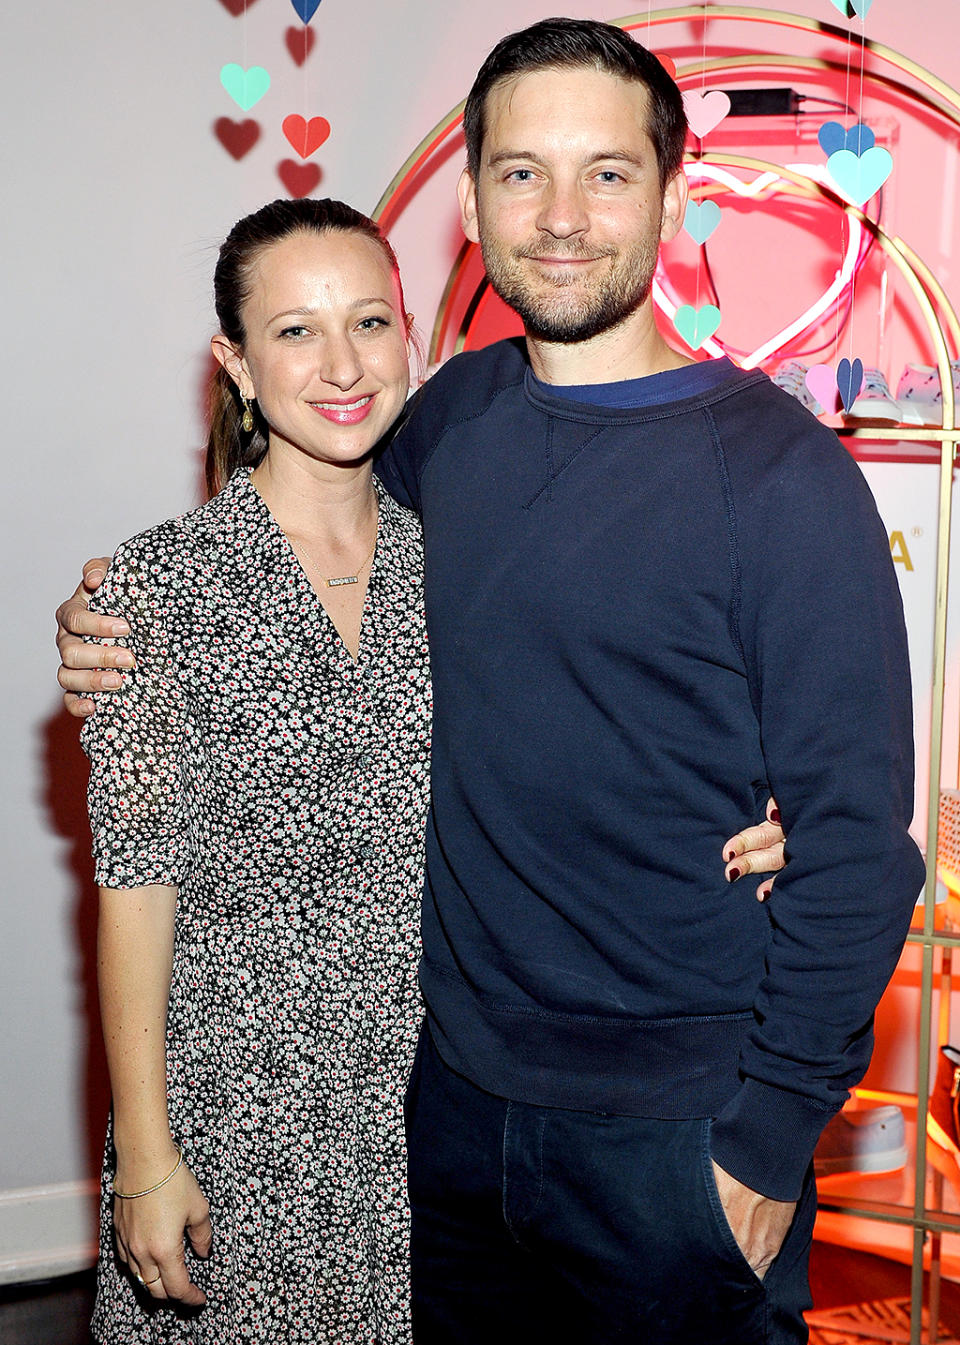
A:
[(135, 742)]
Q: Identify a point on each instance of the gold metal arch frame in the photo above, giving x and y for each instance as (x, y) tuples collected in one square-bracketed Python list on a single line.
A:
[(940, 319)]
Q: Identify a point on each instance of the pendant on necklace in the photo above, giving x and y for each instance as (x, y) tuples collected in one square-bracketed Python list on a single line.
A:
[(344, 579)]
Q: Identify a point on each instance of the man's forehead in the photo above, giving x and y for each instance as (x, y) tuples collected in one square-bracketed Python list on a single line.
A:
[(515, 98)]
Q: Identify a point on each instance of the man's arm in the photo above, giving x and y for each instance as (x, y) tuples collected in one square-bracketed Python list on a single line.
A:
[(85, 667)]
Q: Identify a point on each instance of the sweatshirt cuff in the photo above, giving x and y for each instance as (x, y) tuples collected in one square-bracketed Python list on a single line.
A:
[(765, 1138)]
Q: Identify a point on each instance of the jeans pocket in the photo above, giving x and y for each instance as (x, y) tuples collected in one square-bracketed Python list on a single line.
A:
[(726, 1241)]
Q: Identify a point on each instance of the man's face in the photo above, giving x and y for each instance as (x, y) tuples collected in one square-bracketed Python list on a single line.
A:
[(567, 206)]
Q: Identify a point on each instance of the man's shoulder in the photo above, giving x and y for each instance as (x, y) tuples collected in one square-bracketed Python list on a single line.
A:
[(467, 382)]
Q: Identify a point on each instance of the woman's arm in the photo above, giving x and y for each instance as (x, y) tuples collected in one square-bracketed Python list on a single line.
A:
[(135, 954)]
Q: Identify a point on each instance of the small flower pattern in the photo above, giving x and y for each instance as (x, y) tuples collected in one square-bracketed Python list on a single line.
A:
[(282, 788)]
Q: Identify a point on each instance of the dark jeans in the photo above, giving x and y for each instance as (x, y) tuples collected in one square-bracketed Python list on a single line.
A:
[(545, 1226)]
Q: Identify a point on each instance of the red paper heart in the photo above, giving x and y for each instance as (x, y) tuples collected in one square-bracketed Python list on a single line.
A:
[(300, 42), (237, 137), (668, 63), (236, 7), (300, 179), (306, 137)]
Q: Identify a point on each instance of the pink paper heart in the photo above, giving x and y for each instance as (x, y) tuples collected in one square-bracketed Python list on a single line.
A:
[(705, 110), (822, 382)]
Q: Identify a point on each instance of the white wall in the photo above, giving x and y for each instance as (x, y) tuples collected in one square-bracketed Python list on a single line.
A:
[(116, 194)]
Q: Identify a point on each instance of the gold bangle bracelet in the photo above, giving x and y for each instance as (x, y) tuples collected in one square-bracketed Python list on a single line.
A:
[(135, 1195)]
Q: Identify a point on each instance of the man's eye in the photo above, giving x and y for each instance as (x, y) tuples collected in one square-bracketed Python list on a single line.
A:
[(608, 175), (520, 175)]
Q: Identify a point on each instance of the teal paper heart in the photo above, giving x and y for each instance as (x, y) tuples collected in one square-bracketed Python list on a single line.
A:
[(701, 220), (697, 325), (850, 7), (245, 87), (859, 177)]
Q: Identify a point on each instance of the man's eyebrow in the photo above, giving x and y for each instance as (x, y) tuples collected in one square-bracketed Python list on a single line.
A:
[(600, 156)]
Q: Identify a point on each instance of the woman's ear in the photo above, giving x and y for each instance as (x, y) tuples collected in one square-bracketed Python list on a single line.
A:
[(230, 357)]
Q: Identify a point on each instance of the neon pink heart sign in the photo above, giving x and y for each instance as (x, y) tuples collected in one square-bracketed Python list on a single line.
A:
[(668, 300)]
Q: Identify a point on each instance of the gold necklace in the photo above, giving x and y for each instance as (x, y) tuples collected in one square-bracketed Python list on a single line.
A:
[(337, 581)]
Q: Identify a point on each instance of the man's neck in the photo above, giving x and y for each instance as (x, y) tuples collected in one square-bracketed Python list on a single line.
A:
[(632, 349)]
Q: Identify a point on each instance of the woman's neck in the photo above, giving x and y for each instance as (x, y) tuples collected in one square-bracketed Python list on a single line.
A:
[(316, 501)]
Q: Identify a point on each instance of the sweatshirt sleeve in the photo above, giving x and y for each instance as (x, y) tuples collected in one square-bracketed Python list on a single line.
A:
[(821, 627)]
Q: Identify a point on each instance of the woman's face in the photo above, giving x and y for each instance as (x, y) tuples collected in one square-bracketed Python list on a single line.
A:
[(326, 353)]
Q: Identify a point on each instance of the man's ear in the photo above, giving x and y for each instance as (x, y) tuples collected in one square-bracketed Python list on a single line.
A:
[(467, 195), (675, 197), (230, 357)]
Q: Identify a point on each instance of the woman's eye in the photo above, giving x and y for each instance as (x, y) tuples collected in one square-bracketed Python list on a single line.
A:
[(293, 333), (372, 324)]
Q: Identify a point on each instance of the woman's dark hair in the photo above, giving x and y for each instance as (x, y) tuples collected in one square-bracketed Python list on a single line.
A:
[(555, 43), (228, 445)]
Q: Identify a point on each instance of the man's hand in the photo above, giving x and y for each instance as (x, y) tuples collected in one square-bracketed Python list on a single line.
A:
[(78, 673), (758, 1223), (757, 850)]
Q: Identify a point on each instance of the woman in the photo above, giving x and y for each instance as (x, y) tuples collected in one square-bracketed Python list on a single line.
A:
[(258, 791), (257, 797)]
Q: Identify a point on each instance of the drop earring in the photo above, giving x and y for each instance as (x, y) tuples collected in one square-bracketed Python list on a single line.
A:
[(246, 423)]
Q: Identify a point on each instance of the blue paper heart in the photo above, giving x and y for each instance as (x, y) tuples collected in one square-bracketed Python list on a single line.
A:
[(849, 381), (306, 8), (697, 325), (843, 7), (858, 139), (701, 220), (858, 177), (245, 87)]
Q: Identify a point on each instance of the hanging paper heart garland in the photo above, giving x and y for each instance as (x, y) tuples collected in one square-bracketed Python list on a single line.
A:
[(701, 220), (822, 382), (697, 325), (849, 382), (300, 43), (237, 137), (306, 137), (245, 87), (860, 176), (306, 8), (827, 386), (300, 179), (705, 110), (849, 7), (858, 139)]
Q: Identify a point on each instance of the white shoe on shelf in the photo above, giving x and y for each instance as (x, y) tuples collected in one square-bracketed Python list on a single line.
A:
[(920, 396), (874, 401)]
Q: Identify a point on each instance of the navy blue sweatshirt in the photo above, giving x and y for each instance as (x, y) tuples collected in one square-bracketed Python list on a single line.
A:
[(642, 622)]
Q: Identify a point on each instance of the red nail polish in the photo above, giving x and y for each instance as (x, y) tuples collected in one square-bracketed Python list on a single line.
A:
[(733, 875), (775, 815)]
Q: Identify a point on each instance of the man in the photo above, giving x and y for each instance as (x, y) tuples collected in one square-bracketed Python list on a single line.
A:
[(657, 591)]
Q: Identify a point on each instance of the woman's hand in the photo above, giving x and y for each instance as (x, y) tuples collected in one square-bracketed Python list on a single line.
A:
[(757, 850), (150, 1231), (78, 673)]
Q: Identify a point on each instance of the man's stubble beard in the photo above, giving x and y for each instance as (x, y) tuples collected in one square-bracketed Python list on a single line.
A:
[(619, 292)]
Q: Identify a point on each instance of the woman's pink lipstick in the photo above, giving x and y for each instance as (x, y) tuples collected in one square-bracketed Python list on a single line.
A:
[(349, 411)]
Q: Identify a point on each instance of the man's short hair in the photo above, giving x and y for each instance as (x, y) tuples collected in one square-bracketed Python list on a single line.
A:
[(557, 43)]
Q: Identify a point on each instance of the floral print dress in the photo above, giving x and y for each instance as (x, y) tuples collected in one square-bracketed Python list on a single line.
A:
[(282, 788)]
